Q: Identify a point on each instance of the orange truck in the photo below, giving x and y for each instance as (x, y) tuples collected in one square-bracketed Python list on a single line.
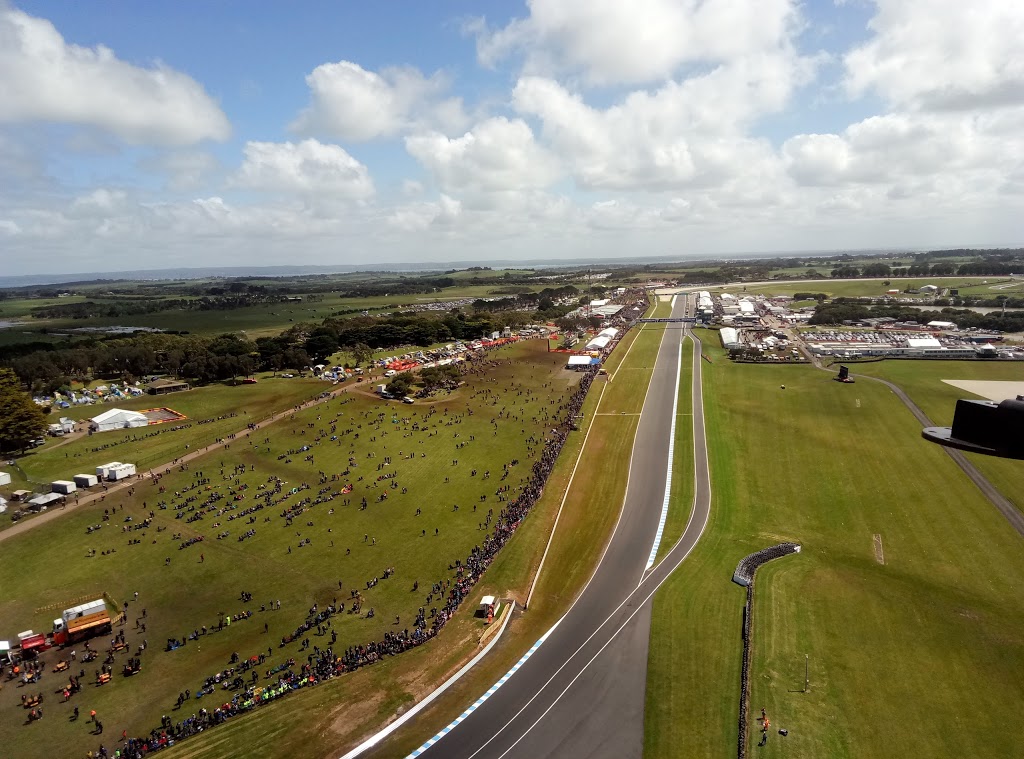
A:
[(81, 622)]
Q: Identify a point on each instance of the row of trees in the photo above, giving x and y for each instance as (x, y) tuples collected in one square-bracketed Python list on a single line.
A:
[(942, 269), (203, 359), (198, 358)]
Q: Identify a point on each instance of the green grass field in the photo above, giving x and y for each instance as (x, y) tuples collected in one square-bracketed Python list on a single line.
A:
[(48, 565), (331, 717), (859, 287), (256, 321), (61, 458), (919, 656), (923, 382)]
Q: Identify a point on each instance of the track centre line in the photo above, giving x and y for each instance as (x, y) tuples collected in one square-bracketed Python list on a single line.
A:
[(536, 645), (696, 390), (668, 470), (626, 622)]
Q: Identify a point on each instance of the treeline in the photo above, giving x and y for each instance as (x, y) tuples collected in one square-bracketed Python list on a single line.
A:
[(205, 359), (544, 304), (842, 310), (131, 358), (987, 268), (117, 307)]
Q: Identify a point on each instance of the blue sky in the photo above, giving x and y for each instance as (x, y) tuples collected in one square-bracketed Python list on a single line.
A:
[(135, 134)]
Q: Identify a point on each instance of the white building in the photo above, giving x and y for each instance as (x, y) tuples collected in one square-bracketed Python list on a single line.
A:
[(730, 337), (117, 419)]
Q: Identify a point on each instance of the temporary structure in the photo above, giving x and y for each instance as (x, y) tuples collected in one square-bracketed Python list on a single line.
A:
[(86, 480), (117, 419), (64, 487)]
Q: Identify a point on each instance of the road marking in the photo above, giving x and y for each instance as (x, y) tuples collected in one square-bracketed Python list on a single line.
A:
[(373, 740), (696, 388), (695, 391), (565, 496), (668, 470), (616, 372), (379, 736), (476, 704)]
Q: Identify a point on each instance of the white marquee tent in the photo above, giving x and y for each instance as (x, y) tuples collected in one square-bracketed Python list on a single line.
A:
[(117, 419)]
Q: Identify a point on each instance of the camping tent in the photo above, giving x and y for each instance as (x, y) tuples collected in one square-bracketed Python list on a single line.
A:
[(117, 419)]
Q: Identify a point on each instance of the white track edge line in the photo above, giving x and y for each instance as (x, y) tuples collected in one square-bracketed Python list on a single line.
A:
[(373, 740), (379, 736), (650, 595), (671, 455), (490, 692)]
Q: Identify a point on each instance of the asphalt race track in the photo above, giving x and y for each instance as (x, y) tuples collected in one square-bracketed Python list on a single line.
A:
[(581, 694)]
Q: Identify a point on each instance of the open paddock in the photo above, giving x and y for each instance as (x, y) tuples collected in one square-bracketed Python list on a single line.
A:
[(354, 502), (916, 656)]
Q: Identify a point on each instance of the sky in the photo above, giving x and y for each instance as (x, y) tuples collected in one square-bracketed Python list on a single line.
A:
[(195, 133)]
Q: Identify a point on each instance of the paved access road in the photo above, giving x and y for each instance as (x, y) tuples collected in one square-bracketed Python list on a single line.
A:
[(581, 694)]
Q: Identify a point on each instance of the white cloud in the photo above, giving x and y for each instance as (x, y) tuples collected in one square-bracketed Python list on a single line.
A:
[(101, 202), (616, 42), (496, 155), (680, 135), (900, 148), (348, 102), (305, 168), (420, 216), (942, 54), (185, 169), (412, 188), (45, 79)]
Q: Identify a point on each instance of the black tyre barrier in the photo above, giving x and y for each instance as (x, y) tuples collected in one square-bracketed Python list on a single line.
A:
[(744, 575)]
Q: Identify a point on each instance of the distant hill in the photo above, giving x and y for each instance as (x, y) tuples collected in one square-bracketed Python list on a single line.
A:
[(29, 280)]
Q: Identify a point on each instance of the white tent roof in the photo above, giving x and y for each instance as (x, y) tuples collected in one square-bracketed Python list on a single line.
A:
[(579, 360), (923, 342), (118, 415)]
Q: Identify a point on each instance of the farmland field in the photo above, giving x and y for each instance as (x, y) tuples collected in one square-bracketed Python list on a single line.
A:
[(255, 321), (916, 656), (861, 287), (497, 418)]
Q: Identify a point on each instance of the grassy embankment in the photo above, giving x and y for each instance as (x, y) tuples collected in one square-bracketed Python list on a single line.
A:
[(50, 566), (918, 656), (61, 458), (334, 715)]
